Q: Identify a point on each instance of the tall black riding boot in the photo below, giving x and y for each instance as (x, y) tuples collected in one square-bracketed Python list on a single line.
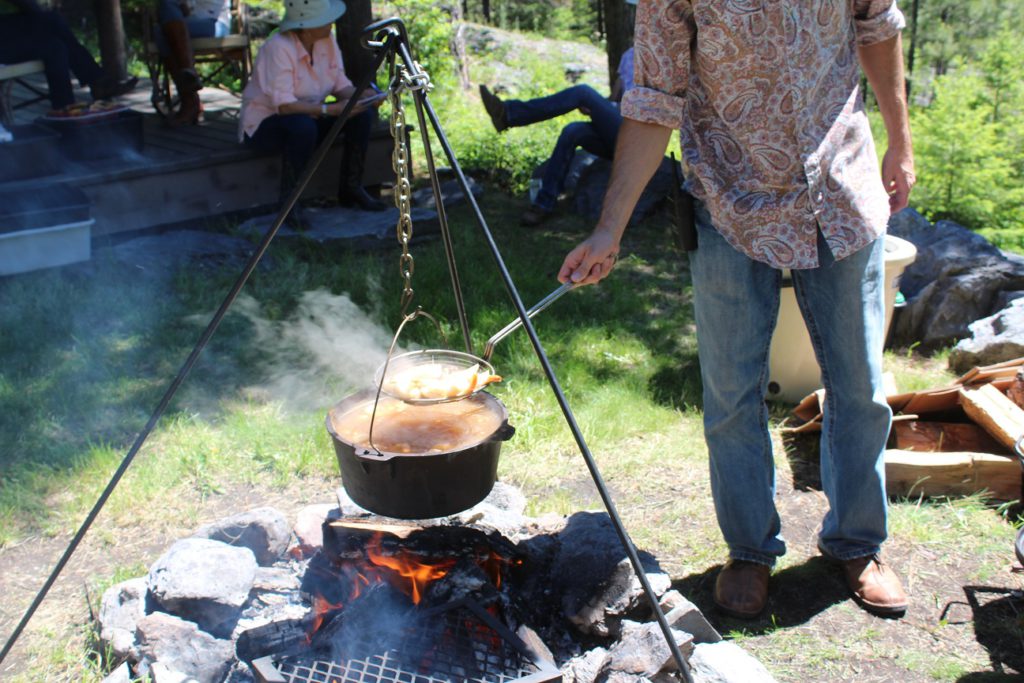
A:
[(350, 185)]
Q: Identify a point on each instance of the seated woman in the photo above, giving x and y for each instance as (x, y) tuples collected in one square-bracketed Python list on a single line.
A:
[(284, 107), (27, 32), (180, 21)]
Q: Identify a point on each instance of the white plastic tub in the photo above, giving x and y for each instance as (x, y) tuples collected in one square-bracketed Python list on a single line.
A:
[(57, 245), (793, 371)]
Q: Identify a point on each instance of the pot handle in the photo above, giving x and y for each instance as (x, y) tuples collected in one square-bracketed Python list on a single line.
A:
[(517, 323), (504, 433), (373, 456)]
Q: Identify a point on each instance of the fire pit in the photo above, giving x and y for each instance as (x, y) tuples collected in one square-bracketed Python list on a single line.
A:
[(484, 596)]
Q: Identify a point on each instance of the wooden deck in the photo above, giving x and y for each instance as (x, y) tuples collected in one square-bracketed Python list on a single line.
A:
[(180, 175)]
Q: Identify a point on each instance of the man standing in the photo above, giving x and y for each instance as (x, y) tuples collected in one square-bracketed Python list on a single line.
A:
[(778, 153)]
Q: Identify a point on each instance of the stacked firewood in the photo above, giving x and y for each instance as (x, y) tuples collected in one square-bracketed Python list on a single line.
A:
[(954, 440)]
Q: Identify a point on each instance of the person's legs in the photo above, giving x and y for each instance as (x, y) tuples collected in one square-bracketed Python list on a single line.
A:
[(175, 44), (293, 134), (525, 112), (843, 305), (355, 141), (577, 134), (80, 60), (25, 37), (736, 302)]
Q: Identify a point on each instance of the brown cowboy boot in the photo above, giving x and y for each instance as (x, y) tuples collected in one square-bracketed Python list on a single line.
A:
[(181, 65)]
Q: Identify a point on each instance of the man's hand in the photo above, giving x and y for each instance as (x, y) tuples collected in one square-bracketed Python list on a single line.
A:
[(898, 176), (639, 150), (591, 261)]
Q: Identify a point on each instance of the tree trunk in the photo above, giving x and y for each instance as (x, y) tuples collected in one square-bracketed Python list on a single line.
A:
[(487, 11), (913, 47), (110, 31), (618, 22), (457, 45), (358, 60)]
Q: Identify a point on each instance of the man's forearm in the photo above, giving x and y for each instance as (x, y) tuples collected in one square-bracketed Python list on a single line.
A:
[(883, 65), (639, 150)]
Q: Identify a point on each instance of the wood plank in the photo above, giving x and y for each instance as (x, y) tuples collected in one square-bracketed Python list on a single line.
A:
[(933, 437), (996, 414), (911, 474)]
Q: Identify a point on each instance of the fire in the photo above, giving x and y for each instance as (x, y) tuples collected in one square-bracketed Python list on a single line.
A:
[(417, 575)]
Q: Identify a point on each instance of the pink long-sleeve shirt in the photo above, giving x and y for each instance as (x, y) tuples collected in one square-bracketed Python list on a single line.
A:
[(284, 72), (766, 97)]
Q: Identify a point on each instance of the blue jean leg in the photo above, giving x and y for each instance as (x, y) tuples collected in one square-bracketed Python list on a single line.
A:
[(576, 134), (844, 307), (604, 115), (736, 303)]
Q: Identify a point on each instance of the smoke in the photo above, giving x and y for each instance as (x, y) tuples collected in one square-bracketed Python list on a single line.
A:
[(325, 349)]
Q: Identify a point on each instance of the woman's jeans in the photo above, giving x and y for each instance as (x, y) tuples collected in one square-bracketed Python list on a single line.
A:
[(46, 36), (597, 137), (298, 135), (736, 302), (198, 27)]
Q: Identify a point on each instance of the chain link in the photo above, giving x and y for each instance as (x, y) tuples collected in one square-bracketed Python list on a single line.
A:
[(402, 82)]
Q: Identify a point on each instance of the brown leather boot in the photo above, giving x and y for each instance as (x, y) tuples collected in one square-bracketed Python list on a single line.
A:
[(875, 586), (180, 63), (741, 589)]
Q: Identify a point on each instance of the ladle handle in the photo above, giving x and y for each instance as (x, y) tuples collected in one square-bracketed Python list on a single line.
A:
[(517, 323)]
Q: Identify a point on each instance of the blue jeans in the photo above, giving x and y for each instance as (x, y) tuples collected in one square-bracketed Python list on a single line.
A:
[(297, 136), (596, 136), (198, 27), (736, 302)]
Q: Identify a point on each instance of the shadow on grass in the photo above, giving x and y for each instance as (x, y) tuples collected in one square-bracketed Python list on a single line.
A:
[(795, 595), (998, 618), (803, 452)]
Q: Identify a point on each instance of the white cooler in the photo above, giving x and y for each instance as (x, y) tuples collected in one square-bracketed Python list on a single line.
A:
[(793, 371)]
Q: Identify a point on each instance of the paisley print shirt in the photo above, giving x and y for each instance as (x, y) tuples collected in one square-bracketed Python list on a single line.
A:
[(765, 94)]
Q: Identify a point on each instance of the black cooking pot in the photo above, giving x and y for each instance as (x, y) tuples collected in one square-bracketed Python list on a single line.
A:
[(418, 486)]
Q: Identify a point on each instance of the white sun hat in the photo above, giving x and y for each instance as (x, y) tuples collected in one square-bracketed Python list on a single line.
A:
[(310, 13)]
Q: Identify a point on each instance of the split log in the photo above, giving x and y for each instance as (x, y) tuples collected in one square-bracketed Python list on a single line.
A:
[(910, 473), (997, 414), (933, 437)]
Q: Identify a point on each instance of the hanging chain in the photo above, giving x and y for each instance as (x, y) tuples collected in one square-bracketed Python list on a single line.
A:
[(401, 82)]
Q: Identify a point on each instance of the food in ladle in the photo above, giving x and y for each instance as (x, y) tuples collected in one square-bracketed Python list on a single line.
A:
[(400, 427), (436, 381)]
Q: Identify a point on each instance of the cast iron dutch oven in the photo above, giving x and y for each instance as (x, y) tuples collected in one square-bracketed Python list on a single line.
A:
[(419, 486)]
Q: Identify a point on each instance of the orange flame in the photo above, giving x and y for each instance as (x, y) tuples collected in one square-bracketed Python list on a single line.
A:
[(415, 573)]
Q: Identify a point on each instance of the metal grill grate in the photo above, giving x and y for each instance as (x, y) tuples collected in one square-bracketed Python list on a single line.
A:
[(473, 648)]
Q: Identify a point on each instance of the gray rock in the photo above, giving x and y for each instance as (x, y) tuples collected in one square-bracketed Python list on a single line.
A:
[(264, 531), (204, 581), (643, 651), (593, 576), (584, 668), (725, 662), (995, 339), (160, 673), (181, 646), (683, 615), (121, 608), (593, 181), (451, 194), (309, 531), (122, 674), (956, 279)]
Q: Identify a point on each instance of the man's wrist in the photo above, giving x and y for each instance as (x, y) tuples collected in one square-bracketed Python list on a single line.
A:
[(323, 109)]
